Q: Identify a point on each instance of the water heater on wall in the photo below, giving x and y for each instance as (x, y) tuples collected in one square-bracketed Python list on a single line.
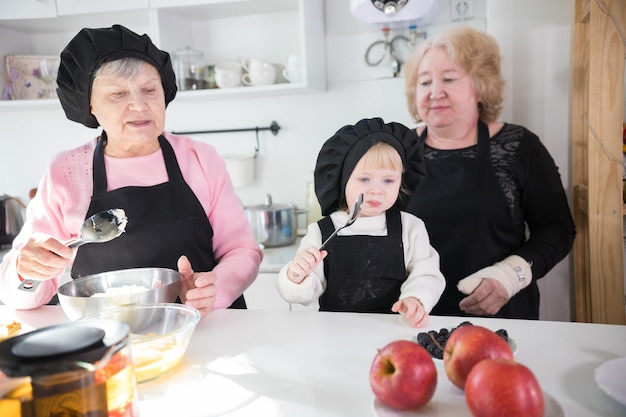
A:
[(385, 11)]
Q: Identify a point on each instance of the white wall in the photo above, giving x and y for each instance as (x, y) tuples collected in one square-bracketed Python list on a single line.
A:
[(534, 36)]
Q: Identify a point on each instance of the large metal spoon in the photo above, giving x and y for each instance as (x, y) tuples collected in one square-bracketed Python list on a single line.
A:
[(99, 228), (352, 216), (102, 227)]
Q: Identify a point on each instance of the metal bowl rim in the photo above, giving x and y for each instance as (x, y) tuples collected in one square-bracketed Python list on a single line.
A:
[(63, 289)]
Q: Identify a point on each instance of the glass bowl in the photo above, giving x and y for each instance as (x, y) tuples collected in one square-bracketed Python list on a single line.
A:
[(159, 335)]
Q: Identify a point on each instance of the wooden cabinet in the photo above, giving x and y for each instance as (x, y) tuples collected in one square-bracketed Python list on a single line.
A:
[(221, 29), (597, 117)]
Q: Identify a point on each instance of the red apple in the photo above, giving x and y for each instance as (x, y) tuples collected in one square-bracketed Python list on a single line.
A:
[(500, 387), (468, 345), (403, 375)]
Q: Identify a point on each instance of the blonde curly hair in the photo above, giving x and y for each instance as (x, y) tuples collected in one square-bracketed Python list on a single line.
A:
[(475, 52)]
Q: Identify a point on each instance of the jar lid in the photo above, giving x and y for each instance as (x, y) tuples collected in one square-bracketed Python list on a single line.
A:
[(271, 206), (61, 341), (188, 53), (61, 347)]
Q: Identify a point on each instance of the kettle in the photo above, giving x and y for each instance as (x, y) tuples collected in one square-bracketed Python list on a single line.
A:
[(12, 215)]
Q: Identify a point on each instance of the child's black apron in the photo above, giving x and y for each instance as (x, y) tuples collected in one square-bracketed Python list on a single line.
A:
[(363, 273)]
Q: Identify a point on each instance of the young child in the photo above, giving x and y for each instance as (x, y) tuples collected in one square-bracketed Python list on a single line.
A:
[(383, 262)]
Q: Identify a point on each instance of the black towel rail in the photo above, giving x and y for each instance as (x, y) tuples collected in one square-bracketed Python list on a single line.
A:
[(274, 127)]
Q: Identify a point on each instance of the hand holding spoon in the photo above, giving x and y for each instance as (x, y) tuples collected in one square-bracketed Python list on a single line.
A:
[(99, 228)]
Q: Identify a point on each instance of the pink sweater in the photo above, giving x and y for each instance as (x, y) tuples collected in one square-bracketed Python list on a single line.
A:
[(64, 194)]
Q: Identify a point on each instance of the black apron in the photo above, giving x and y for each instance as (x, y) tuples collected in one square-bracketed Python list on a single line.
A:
[(165, 221), (363, 273), (469, 223)]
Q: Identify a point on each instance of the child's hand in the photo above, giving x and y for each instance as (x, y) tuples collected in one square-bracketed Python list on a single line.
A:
[(305, 261), (413, 311)]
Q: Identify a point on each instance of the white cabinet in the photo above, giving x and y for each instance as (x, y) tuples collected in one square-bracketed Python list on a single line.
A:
[(263, 295), (73, 7), (314, 306), (39, 9), (221, 29), (21, 9)]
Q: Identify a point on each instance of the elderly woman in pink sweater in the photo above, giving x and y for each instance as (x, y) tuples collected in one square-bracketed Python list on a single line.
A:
[(182, 210)]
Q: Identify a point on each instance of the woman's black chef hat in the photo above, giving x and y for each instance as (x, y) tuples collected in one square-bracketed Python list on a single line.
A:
[(340, 154), (88, 50)]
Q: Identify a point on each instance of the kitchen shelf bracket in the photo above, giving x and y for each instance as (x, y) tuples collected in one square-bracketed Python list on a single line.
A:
[(274, 127)]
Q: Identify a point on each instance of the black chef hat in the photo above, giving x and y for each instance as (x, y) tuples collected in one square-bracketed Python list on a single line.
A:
[(340, 154), (88, 50)]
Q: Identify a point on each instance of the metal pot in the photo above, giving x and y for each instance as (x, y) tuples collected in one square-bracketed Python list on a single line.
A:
[(274, 224), (12, 215)]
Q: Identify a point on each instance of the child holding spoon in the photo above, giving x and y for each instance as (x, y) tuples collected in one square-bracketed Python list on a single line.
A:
[(383, 262)]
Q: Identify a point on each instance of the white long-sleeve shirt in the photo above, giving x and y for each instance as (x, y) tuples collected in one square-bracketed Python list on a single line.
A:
[(424, 279)]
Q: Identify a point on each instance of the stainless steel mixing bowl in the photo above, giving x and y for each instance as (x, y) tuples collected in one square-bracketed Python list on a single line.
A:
[(114, 289)]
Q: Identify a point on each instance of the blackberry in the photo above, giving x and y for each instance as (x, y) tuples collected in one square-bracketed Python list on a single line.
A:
[(425, 339), (503, 334)]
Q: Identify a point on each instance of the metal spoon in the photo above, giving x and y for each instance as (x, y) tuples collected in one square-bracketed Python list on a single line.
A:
[(354, 214), (99, 228), (102, 227)]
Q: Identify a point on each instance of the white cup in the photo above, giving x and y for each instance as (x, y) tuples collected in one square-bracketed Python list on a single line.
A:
[(293, 68), (254, 64), (260, 77), (293, 75), (228, 74), (259, 72)]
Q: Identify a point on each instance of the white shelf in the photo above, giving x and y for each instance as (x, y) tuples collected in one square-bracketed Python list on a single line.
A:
[(181, 96), (222, 29)]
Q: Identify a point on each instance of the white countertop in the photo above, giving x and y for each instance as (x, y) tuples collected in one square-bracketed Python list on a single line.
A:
[(306, 364)]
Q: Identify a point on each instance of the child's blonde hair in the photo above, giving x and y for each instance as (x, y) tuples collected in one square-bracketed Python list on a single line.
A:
[(381, 156)]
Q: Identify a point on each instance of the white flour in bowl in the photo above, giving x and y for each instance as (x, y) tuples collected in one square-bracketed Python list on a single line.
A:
[(123, 290)]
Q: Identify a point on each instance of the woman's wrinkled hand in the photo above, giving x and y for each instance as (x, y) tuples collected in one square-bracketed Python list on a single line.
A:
[(198, 289), (43, 257), (486, 300), (413, 310), (305, 261)]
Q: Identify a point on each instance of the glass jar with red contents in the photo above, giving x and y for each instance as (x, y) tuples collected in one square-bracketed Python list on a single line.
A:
[(76, 369)]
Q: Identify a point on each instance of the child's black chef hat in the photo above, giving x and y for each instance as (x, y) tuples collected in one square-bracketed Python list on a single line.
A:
[(340, 154), (88, 50)]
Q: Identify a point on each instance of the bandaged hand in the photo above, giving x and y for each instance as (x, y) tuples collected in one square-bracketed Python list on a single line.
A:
[(513, 272)]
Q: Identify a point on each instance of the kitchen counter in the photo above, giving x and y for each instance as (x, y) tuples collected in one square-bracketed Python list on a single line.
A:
[(275, 258), (302, 363)]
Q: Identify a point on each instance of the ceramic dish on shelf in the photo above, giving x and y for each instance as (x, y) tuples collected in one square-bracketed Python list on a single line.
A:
[(451, 401), (610, 379)]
